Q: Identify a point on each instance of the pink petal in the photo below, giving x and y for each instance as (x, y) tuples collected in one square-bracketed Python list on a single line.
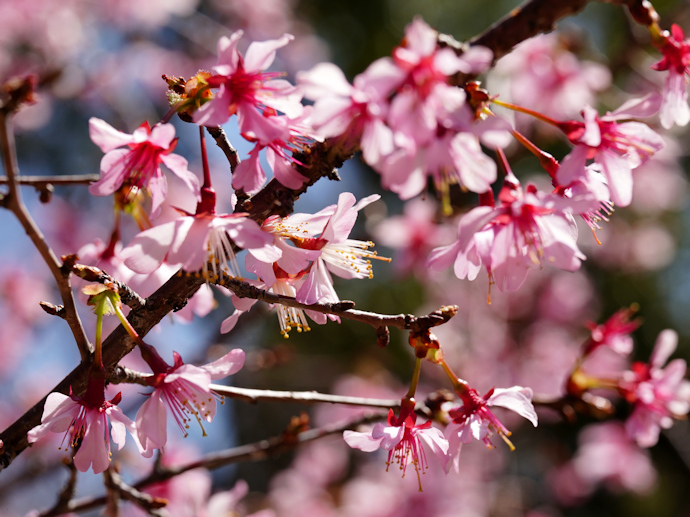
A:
[(190, 245), (618, 175), (435, 440), (641, 107), (119, 424), (215, 112), (390, 435), (198, 377), (260, 55), (284, 171), (229, 323), (341, 222), (147, 250), (229, 364), (362, 441), (113, 173), (517, 399), (93, 449), (152, 424), (249, 175), (674, 106), (324, 79), (162, 135), (592, 134), (106, 136), (665, 345), (179, 166)]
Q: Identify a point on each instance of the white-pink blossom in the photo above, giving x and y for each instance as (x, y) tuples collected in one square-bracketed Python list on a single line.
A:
[(138, 166), (185, 390), (659, 394)]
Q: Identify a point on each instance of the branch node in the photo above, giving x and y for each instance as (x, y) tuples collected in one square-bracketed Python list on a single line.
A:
[(54, 310), (383, 336)]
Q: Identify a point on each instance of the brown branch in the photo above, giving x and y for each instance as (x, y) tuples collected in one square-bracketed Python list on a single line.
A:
[(524, 22), (125, 375), (40, 181), (344, 309), (305, 397), (17, 207), (252, 452), (151, 504), (92, 274), (222, 141)]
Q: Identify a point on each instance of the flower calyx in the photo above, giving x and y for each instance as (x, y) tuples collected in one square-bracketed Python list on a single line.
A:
[(426, 346)]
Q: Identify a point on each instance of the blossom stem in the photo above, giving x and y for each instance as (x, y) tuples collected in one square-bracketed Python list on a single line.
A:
[(128, 327), (548, 162), (204, 159), (100, 310), (415, 378), (526, 111), (459, 385)]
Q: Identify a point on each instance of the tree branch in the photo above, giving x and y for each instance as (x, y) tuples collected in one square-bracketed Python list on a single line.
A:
[(17, 207), (344, 309)]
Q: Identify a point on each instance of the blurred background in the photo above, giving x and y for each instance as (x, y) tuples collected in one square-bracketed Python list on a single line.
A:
[(105, 60)]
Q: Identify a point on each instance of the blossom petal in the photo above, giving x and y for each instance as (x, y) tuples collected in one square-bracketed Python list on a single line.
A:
[(106, 136), (517, 399), (362, 441), (229, 364)]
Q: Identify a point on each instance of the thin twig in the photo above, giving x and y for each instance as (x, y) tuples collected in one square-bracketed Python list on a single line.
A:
[(16, 205), (40, 181), (344, 309), (306, 397), (223, 142)]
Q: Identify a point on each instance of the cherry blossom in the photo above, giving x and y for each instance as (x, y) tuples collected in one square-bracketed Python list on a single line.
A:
[(86, 421), (474, 419), (528, 229), (139, 166), (618, 147), (676, 57), (247, 90), (606, 456), (195, 241), (659, 394), (614, 333), (542, 74), (185, 390), (401, 438)]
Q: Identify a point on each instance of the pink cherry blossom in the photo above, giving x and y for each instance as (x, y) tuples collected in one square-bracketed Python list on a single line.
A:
[(355, 113), (659, 394), (185, 390), (413, 235), (326, 236), (474, 419), (542, 74), (196, 241), (250, 176), (529, 229), (606, 456), (139, 165), (676, 58), (401, 438), (614, 333), (247, 90), (618, 147), (85, 420)]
